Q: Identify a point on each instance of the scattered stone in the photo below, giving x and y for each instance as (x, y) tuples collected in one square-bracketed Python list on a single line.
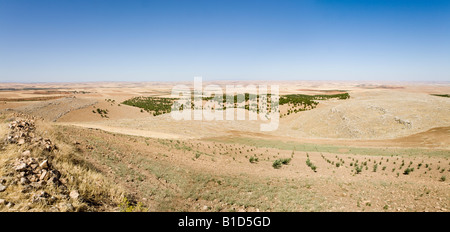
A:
[(10, 205), (24, 181), (34, 166), (66, 207), (26, 153), (74, 194), (2, 188), (21, 167), (44, 164), (43, 175), (40, 197)]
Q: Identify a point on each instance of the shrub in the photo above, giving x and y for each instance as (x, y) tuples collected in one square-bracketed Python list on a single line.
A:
[(127, 206), (276, 164), (253, 159), (407, 171), (286, 161), (358, 169), (310, 164)]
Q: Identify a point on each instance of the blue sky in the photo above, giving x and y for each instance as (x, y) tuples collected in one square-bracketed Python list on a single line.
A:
[(108, 40)]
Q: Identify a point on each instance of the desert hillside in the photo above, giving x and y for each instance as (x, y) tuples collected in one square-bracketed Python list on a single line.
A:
[(79, 147)]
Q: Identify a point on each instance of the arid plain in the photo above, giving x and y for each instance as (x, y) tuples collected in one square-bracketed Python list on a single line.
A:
[(385, 148)]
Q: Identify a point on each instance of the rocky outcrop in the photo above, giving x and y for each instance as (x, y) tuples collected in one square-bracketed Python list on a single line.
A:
[(23, 131), (34, 173)]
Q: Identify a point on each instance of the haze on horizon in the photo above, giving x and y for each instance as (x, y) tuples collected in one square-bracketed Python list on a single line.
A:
[(76, 41)]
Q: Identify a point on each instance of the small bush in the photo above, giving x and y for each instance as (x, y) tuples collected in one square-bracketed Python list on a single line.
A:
[(253, 159), (127, 206), (310, 164), (197, 155), (407, 171), (358, 169), (276, 164), (285, 161)]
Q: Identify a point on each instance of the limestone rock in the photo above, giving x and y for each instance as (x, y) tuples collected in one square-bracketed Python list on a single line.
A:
[(44, 164), (74, 194), (2, 188)]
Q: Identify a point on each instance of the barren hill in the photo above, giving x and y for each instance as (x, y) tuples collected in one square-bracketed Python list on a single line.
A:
[(374, 115), (54, 109)]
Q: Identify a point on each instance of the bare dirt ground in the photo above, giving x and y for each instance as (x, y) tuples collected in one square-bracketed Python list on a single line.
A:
[(387, 148)]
